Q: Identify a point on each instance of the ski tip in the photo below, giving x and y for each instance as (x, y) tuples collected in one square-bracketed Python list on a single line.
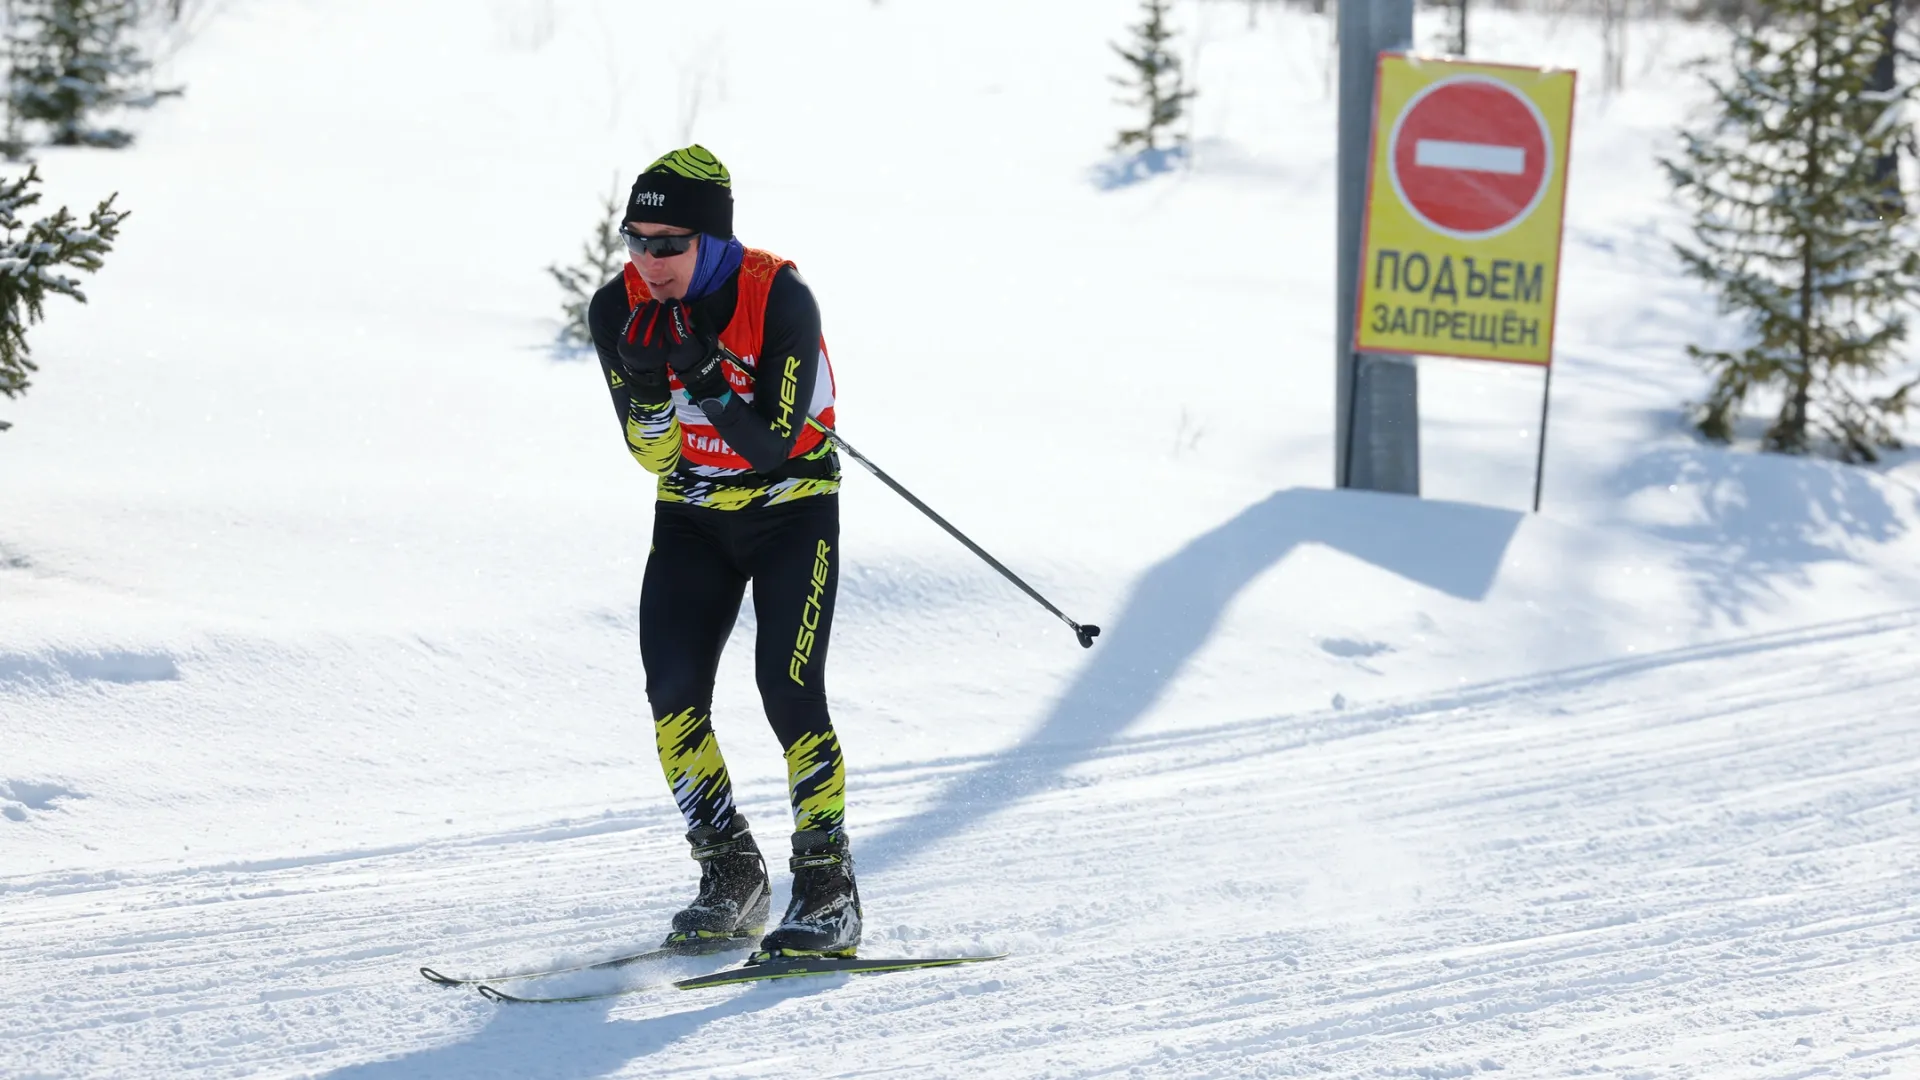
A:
[(491, 994), (433, 976), (1086, 632)]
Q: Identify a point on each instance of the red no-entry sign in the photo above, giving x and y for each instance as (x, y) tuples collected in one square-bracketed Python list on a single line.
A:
[(1460, 252), (1470, 156)]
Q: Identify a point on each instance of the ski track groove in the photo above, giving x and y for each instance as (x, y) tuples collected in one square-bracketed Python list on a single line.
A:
[(1638, 847)]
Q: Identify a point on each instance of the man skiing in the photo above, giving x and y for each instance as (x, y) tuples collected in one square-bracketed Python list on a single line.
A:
[(715, 360)]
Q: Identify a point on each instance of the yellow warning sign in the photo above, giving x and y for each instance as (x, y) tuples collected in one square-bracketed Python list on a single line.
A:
[(1465, 197)]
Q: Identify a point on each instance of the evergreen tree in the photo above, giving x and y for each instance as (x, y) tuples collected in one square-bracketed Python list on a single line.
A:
[(70, 61), (600, 259), (32, 256), (1794, 229), (1158, 87)]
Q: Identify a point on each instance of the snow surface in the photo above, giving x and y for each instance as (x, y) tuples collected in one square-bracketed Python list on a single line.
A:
[(318, 570)]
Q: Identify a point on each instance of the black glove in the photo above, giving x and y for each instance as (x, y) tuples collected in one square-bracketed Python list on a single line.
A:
[(643, 359), (695, 355)]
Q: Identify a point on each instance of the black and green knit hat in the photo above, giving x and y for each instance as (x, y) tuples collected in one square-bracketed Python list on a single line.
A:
[(688, 188)]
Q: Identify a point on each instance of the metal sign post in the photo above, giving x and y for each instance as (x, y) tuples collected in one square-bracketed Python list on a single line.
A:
[(1377, 397), (1540, 462)]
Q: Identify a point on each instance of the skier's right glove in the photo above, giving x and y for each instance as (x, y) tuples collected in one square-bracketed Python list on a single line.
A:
[(643, 354), (697, 357)]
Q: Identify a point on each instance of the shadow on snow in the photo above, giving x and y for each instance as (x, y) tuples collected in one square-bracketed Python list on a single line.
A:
[(1760, 520), (1125, 170), (559, 1041), (1174, 608)]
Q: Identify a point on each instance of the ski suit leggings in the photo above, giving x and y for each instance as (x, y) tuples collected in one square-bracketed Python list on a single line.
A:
[(697, 572)]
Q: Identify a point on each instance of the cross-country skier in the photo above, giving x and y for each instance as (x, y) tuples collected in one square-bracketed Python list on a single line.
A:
[(715, 360)]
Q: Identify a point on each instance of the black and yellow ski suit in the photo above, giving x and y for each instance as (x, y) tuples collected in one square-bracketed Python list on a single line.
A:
[(747, 496)]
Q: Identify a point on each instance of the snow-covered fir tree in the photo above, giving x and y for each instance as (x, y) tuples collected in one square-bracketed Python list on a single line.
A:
[(1795, 229), (33, 258), (71, 61), (1154, 79), (600, 258)]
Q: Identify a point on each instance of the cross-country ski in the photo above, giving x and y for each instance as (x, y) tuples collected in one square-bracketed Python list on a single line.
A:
[(783, 968), (664, 952)]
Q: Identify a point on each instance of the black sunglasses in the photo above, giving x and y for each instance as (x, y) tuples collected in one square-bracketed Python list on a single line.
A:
[(657, 246)]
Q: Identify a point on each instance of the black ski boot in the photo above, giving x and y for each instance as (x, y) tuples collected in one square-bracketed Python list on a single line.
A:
[(732, 905), (824, 917)]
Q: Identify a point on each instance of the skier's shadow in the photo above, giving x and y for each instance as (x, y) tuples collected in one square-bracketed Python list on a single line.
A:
[(1168, 617), (1172, 611), (561, 1042)]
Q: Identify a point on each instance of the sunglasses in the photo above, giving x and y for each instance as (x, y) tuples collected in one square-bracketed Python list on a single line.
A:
[(659, 247)]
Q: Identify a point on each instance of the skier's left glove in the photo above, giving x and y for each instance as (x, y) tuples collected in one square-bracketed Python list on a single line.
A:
[(697, 357)]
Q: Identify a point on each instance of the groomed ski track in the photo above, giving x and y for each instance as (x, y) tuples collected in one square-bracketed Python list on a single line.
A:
[(1688, 863)]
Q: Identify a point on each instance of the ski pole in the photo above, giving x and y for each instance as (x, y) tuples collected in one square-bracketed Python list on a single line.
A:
[(1086, 632)]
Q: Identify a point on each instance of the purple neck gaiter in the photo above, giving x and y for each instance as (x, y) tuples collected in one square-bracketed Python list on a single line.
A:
[(717, 261)]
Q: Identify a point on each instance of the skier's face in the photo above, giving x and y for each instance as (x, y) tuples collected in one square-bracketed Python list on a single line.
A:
[(667, 276)]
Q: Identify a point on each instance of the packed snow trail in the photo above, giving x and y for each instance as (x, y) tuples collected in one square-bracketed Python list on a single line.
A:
[(1693, 863)]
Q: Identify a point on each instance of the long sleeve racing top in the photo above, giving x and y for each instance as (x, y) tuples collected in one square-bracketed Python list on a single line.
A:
[(761, 428)]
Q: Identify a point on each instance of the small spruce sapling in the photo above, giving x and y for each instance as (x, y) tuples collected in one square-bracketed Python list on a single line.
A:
[(600, 259), (70, 61), (1155, 80), (32, 257)]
